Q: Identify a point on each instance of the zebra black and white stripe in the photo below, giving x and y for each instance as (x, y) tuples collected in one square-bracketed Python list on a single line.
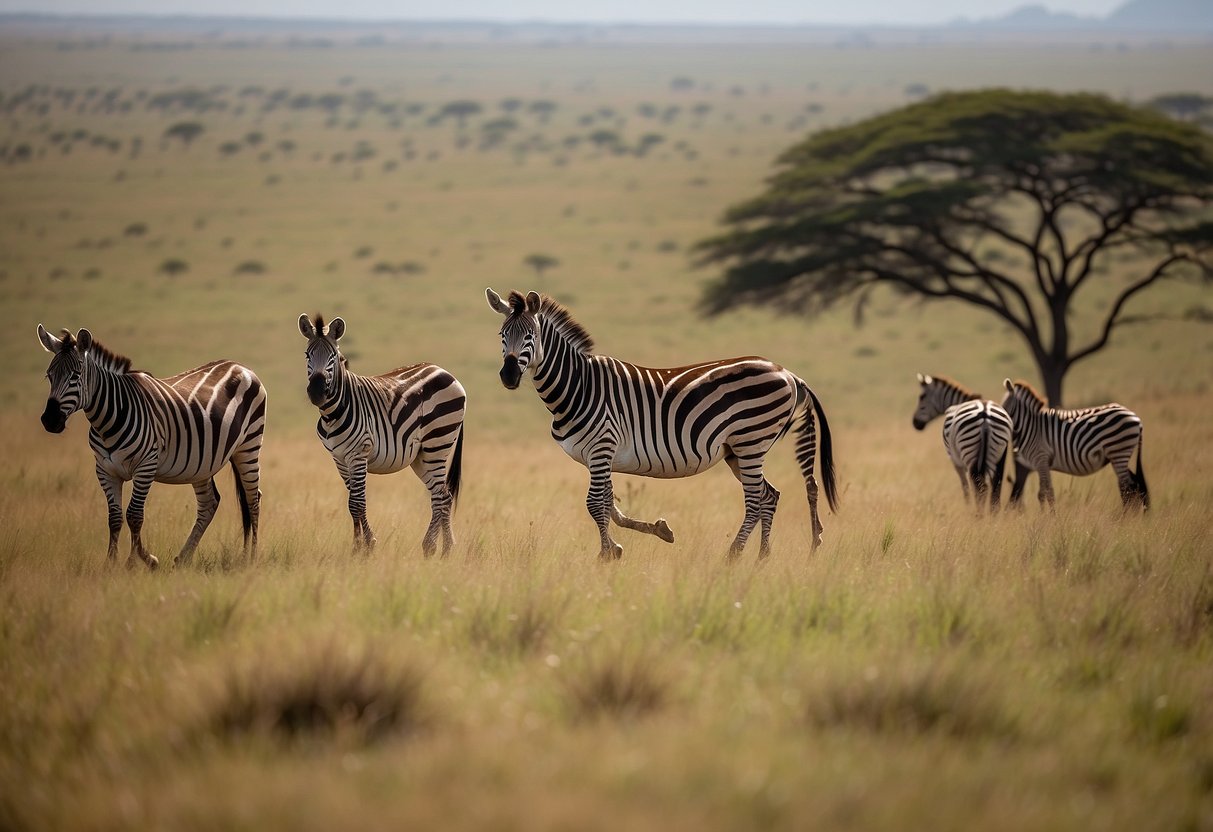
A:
[(1077, 442), (182, 429), (612, 416), (976, 434), (412, 416)]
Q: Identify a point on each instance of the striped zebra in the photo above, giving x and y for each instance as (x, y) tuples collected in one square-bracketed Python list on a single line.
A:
[(976, 434), (1076, 442), (613, 416), (181, 429), (412, 416)]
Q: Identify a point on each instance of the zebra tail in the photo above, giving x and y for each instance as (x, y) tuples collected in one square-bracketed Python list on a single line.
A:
[(454, 475), (245, 516), (825, 445), (1142, 488), (978, 469)]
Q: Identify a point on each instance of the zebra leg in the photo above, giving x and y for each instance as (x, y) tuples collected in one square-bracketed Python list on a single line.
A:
[(753, 484), (357, 485), (246, 465), (1018, 484), (112, 486), (145, 474), (600, 502), (1046, 489), (208, 503), (659, 529), (432, 471), (964, 480), (766, 515)]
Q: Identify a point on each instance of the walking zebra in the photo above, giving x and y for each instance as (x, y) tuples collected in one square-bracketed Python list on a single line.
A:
[(412, 416), (1076, 442), (613, 416), (976, 434), (181, 429)]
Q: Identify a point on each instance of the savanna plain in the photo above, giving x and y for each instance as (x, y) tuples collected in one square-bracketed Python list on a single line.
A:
[(922, 669)]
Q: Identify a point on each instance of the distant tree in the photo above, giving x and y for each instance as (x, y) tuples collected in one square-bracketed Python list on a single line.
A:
[(173, 267), (917, 90), (186, 131), (1184, 106), (460, 111), (510, 105), (543, 109), (230, 148), (1011, 202), (604, 138), (254, 138), (540, 263)]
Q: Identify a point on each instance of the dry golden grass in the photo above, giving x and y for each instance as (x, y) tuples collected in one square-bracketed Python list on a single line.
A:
[(924, 669)]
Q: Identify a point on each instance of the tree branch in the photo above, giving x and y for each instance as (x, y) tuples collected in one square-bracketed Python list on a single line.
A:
[(1114, 316)]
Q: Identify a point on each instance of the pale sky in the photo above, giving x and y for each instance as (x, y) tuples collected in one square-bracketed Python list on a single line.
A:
[(849, 12)]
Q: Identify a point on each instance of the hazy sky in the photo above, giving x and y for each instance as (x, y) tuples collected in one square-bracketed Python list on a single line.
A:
[(699, 11)]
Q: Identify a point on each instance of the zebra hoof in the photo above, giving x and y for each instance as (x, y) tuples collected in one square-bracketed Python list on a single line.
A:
[(611, 554), (664, 531), (152, 563)]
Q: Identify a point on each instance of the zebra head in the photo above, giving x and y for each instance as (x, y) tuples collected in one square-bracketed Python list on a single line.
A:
[(930, 404), (323, 356), (1021, 400), (66, 374), (520, 343)]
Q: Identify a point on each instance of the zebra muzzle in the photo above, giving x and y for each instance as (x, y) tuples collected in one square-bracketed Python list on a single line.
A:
[(511, 373), (315, 388), (52, 417)]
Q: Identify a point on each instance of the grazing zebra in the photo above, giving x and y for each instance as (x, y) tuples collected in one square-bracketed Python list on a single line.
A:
[(613, 416), (1077, 442), (412, 416), (181, 429), (976, 434)]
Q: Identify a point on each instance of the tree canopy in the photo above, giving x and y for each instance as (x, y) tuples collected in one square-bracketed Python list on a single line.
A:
[(1009, 201)]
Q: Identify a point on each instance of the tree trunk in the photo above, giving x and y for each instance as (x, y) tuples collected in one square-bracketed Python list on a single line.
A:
[(1053, 375)]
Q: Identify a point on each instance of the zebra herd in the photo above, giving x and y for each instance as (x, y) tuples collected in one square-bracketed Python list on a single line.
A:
[(607, 414), (978, 434)]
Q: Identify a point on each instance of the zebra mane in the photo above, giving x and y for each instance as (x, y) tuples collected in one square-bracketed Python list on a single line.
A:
[(1020, 384), (957, 386), (318, 323), (560, 318), (109, 360)]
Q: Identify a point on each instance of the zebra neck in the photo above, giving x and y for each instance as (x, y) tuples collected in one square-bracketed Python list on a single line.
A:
[(336, 405), (109, 399), (562, 374)]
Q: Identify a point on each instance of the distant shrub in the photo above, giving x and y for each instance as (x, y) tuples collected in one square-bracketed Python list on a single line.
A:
[(135, 229), (230, 148), (363, 252), (540, 262), (186, 131), (173, 266), (92, 273), (682, 84), (250, 267), (328, 694), (617, 687), (917, 90), (667, 246)]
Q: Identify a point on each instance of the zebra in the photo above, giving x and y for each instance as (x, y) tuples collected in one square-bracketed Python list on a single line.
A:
[(612, 416), (976, 434), (181, 429), (411, 416), (1077, 442)]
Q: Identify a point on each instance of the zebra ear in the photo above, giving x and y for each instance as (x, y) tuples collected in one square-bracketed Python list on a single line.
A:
[(532, 302), (84, 340), (49, 342), (924, 380), (306, 327), (496, 303), (336, 329), (1006, 382)]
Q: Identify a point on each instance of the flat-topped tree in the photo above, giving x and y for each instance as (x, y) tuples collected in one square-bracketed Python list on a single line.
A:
[(1009, 201)]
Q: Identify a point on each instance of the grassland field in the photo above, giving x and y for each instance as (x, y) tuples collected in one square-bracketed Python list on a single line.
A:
[(922, 670)]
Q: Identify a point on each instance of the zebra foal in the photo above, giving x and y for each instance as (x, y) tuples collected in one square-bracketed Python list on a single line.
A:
[(409, 417), (976, 434), (182, 429), (612, 416), (1077, 442)]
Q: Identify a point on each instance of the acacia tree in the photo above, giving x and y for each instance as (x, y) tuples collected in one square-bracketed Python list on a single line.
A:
[(1012, 202)]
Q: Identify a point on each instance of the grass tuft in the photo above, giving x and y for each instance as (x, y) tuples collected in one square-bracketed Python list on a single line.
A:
[(617, 687), (917, 701), (325, 694)]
